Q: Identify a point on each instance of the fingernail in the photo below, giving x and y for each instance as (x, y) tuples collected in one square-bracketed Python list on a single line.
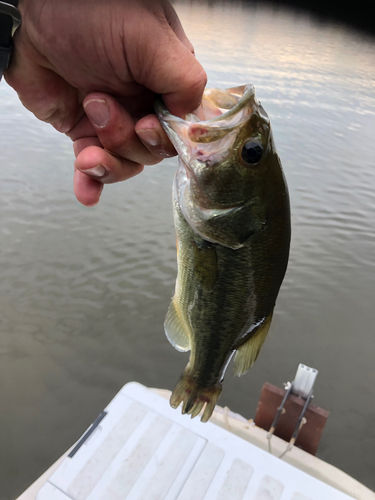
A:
[(98, 112), (97, 171), (150, 137), (163, 153)]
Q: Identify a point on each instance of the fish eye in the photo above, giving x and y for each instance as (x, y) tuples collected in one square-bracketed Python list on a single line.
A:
[(252, 152)]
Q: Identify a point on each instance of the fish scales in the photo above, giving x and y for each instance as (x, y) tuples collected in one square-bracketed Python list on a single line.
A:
[(232, 220)]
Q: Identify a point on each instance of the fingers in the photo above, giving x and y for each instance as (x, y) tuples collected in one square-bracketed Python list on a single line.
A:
[(110, 147), (105, 167), (91, 174), (116, 131), (120, 143)]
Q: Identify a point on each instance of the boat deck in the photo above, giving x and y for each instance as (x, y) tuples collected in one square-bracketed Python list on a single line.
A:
[(139, 448)]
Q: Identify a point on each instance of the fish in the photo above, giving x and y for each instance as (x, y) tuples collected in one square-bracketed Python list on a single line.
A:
[(232, 220)]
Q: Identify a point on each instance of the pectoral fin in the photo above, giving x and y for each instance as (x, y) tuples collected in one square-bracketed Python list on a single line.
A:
[(176, 329), (247, 353)]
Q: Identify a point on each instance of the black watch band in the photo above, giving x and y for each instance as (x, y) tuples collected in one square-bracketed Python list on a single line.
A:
[(10, 19)]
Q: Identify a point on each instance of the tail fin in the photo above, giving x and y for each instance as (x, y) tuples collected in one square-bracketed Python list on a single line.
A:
[(194, 398)]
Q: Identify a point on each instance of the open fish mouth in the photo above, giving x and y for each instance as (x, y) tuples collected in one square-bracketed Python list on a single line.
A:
[(207, 135)]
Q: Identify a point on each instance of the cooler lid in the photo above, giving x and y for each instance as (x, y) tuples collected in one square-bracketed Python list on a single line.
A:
[(139, 448)]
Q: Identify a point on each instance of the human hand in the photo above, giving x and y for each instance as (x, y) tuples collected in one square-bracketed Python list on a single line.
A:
[(92, 69)]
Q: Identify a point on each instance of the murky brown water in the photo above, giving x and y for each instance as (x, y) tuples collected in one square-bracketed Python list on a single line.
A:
[(83, 292)]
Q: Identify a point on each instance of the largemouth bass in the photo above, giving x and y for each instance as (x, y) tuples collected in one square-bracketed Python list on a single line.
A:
[(232, 221)]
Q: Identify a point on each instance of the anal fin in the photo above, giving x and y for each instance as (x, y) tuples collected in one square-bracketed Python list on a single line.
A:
[(247, 353), (176, 329)]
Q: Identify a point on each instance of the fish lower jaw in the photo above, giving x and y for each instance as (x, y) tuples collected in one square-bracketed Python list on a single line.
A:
[(194, 398)]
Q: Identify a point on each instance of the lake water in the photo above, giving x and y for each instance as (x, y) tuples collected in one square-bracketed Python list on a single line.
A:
[(84, 292)]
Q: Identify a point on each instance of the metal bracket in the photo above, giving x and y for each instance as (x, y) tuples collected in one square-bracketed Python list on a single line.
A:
[(301, 386)]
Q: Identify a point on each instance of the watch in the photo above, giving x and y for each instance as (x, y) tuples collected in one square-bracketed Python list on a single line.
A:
[(10, 19)]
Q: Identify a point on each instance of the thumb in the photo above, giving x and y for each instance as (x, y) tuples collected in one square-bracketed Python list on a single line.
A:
[(43, 92), (186, 95), (175, 73)]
